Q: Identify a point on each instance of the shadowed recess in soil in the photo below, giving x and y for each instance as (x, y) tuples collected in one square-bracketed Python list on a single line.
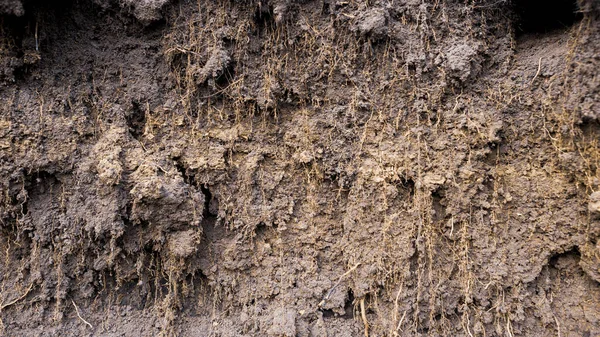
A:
[(544, 16)]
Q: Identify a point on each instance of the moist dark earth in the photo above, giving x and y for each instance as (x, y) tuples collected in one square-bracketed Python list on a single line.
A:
[(299, 168)]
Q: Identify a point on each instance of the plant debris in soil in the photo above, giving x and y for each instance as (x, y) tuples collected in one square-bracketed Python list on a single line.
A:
[(299, 168)]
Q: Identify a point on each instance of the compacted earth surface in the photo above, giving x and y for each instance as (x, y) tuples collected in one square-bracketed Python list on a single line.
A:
[(300, 168)]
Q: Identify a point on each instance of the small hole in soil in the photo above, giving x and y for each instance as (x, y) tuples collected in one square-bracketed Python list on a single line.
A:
[(438, 205), (543, 16), (327, 313), (211, 203), (326, 8), (349, 305), (136, 120), (223, 80), (263, 15), (573, 252), (260, 229), (408, 185), (207, 198)]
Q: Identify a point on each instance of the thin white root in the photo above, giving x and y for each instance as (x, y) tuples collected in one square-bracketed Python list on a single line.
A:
[(538, 71), (399, 327), (4, 306), (78, 315), (396, 307), (363, 314), (322, 303)]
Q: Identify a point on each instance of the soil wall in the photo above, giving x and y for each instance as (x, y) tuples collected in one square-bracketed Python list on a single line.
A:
[(299, 168)]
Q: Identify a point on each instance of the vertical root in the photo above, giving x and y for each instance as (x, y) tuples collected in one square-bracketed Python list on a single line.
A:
[(363, 314)]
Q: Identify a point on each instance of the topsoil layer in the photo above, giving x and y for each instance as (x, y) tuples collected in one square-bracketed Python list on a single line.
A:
[(299, 168)]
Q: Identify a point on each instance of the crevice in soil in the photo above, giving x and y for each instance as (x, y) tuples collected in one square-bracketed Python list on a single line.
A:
[(184, 172), (136, 120), (590, 127), (263, 16), (407, 185), (571, 253), (226, 78), (39, 182), (349, 305), (348, 308), (211, 204), (544, 16), (210, 208), (260, 230), (438, 205), (327, 313)]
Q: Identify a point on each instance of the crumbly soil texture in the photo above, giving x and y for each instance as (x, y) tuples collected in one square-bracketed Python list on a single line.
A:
[(300, 168)]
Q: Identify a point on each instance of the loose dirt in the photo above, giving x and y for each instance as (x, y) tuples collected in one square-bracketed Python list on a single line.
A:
[(299, 168)]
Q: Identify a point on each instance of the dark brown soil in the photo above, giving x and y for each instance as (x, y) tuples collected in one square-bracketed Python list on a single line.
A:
[(299, 168)]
